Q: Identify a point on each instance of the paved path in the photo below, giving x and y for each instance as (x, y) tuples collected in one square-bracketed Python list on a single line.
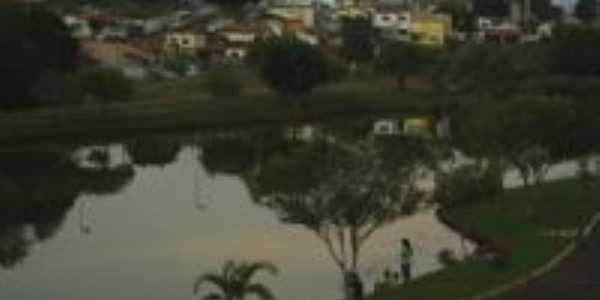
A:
[(577, 278)]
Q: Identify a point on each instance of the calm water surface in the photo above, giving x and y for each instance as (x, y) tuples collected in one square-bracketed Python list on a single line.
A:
[(144, 227)]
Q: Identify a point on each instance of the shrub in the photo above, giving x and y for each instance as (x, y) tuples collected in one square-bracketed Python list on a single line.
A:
[(469, 184), (106, 85), (447, 257)]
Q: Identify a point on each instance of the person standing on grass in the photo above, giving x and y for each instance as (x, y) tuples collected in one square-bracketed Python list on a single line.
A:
[(406, 259)]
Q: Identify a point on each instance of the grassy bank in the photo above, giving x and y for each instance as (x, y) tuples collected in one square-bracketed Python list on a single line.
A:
[(183, 105), (518, 219)]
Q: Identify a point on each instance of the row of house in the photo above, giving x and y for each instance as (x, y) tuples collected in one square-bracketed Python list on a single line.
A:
[(307, 20), (212, 37)]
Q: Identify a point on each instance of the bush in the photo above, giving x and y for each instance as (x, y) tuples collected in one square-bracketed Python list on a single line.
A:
[(447, 257), (106, 85), (224, 82), (469, 184)]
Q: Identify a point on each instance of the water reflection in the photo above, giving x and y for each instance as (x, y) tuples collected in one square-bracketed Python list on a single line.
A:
[(153, 151), (342, 191), (37, 189), (148, 240)]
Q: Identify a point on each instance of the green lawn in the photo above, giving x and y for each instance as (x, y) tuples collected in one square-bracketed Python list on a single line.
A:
[(182, 104), (518, 219)]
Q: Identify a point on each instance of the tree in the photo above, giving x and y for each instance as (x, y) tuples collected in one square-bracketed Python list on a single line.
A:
[(491, 8), (587, 10), (527, 132), (34, 41), (236, 8), (234, 282), (106, 85), (343, 193), (468, 184), (487, 69), (403, 59), (358, 40), (290, 66), (232, 3), (574, 51), (545, 10), (461, 12)]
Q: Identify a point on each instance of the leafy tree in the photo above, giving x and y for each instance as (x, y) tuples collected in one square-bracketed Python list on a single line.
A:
[(487, 69), (232, 3), (106, 85), (236, 8), (545, 10), (341, 192), (575, 51), (491, 8), (358, 40), (468, 184), (461, 12), (527, 132), (34, 41), (105, 3), (587, 10), (234, 282), (290, 66), (403, 59)]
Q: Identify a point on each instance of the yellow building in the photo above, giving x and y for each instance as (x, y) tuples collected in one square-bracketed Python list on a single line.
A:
[(430, 30)]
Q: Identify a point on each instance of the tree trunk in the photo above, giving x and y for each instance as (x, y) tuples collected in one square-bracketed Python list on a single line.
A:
[(354, 244)]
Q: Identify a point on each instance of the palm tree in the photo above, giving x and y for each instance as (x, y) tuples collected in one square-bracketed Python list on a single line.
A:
[(234, 281)]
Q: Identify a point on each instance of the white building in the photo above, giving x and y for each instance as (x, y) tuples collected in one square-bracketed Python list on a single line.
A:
[(391, 19), (187, 43), (80, 28)]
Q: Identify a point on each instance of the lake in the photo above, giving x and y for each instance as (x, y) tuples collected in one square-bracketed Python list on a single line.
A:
[(142, 217)]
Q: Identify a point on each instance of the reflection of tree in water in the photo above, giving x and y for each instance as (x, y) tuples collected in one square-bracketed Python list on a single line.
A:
[(240, 154), (37, 189), (153, 151), (341, 191), (228, 156)]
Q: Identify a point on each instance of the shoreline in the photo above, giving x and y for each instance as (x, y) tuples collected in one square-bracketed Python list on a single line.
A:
[(168, 116)]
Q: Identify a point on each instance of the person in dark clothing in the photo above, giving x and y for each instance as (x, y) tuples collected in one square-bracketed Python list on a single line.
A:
[(406, 259)]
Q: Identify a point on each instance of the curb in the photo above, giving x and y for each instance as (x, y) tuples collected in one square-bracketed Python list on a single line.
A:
[(547, 267)]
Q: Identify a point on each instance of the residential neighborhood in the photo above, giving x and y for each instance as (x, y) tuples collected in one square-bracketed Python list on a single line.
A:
[(203, 35)]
